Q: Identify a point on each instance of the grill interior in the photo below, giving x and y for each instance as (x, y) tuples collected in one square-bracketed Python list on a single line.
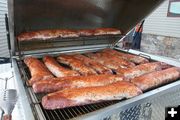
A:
[(66, 113)]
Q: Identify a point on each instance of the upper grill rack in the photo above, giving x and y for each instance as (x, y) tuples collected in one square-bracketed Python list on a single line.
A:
[(37, 44), (60, 114)]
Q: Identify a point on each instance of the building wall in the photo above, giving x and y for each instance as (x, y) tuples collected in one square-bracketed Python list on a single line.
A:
[(3, 39), (161, 45), (161, 34), (158, 23)]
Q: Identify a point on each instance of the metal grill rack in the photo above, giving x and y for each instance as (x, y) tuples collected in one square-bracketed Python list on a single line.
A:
[(60, 114), (71, 112), (37, 44)]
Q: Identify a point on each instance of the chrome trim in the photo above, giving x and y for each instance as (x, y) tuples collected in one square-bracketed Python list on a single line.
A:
[(25, 101), (167, 60), (79, 49)]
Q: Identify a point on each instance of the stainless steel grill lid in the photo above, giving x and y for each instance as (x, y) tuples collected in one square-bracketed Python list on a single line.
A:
[(43, 14), (30, 15)]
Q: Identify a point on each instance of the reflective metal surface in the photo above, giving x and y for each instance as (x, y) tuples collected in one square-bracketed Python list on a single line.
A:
[(170, 61), (23, 97), (75, 14)]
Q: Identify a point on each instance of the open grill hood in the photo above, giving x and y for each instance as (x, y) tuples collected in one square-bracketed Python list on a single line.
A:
[(77, 14), (30, 15)]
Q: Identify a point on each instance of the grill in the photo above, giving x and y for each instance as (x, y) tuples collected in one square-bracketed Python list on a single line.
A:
[(32, 15)]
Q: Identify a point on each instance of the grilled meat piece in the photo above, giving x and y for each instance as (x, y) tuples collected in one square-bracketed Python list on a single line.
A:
[(74, 82), (57, 69), (75, 64), (37, 69), (156, 78), (87, 95)]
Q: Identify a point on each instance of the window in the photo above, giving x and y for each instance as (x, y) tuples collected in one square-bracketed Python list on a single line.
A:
[(174, 8)]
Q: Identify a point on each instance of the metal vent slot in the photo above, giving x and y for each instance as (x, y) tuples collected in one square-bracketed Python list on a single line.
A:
[(131, 114)]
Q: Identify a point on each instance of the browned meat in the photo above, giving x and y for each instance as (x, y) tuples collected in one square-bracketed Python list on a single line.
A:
[(74, 82), (139, 70), (133, 58), (99, 68), (75, 64), (86, 32), (120, 61), (64, 33), (87, 95), (106, 31), (57, 69), (156, 78), (47, 34), (105, 61), (37, 69)]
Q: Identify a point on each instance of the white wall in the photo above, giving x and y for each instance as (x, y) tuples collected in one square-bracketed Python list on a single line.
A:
[(159, 24), (3, 38)]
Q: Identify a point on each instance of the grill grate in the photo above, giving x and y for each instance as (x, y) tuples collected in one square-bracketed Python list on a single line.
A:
[(66, 113), (37, 44)]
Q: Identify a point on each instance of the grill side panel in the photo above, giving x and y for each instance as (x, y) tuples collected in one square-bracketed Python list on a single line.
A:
[(151, 109)]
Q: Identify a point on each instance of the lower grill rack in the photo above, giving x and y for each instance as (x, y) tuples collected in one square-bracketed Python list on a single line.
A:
[(132, 113), (72, 112), (66, 113)]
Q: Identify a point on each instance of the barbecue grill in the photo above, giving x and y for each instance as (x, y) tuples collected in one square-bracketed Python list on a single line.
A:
[(33, 15)]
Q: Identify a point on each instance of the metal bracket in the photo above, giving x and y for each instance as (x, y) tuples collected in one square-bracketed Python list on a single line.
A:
[(121, 40), (146, 56)]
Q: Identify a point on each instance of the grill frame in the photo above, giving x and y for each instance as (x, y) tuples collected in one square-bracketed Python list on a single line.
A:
[(32, 108)]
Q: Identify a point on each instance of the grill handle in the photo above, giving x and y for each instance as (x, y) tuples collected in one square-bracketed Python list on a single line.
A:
[(7, 32), (8, 37)]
